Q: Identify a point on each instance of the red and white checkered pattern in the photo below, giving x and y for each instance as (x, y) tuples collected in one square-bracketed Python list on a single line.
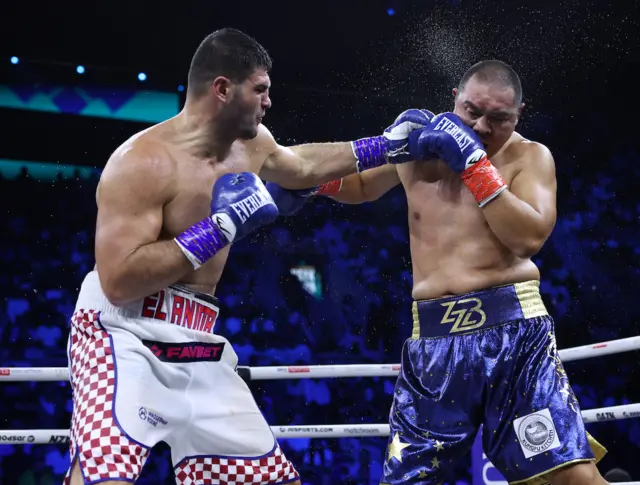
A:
[(273, 468), (103, 450)]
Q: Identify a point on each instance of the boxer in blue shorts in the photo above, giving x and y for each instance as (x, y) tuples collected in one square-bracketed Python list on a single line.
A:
[(482, 202)]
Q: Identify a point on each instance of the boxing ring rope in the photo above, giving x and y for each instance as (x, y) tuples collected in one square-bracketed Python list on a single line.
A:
[(47, 436), (39, 374), (44, 436)]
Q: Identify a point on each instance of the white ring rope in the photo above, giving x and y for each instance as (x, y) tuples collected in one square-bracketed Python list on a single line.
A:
[(48, 436), (327, 371)]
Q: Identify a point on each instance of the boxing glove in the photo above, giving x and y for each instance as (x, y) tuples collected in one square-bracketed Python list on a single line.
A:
[(460, 148), (291, 201), (240, 204), (393, 145)]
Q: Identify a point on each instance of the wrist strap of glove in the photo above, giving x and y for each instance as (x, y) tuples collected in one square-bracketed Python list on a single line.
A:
[(484, 181), (203, 241), (330, 189), (370, 152)]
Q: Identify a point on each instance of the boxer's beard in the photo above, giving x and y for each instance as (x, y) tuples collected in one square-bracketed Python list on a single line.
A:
[(241, 119)]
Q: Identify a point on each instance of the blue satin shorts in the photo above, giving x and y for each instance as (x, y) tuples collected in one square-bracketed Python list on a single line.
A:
[(484, 358)]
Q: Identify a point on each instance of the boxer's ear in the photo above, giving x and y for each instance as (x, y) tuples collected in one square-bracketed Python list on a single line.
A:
[(521, 109), (220, 88)]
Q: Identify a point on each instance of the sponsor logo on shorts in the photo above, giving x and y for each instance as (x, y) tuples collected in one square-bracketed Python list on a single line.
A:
[(536, 433), (5, 372), (631, 414), (16, 439), (466, 314), (152, 418), (185, 352), (179, 310)]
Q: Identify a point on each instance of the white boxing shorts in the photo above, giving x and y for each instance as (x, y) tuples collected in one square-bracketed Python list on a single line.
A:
[(152, 371)]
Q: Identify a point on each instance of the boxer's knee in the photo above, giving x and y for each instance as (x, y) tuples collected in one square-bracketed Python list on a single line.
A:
[(578, 474), (77, 479), (297, 482)]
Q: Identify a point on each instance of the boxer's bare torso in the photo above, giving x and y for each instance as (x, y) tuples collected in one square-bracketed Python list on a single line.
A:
[(181, 188), (453, 249)]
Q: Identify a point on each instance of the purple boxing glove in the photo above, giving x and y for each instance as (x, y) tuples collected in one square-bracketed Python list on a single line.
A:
[(240, 204), (393, 145)]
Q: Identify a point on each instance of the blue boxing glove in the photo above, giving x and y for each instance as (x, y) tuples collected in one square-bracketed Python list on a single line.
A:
[(240, 204), (291, 201), (393, 145), (461, 149)]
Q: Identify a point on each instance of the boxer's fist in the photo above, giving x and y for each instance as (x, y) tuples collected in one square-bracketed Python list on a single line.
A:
[(398, 133), (461, 149), (241, 204), (290, 202), (393, 145), (451, 140)]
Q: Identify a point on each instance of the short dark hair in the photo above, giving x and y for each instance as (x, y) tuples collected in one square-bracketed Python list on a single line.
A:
[(225, 52), (494, 71)]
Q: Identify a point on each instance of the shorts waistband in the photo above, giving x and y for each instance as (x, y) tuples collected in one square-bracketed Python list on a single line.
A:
[(175, 305), (477, 310)]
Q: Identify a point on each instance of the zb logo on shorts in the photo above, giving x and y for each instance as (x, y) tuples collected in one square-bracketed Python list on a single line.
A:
[(462, 316)]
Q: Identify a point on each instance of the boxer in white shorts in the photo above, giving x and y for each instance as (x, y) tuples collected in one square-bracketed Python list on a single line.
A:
[(138, 381), (146, 363)]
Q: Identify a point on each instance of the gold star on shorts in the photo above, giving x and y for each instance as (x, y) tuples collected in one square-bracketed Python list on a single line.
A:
[(396, 447), (439, 445), (435, 463)]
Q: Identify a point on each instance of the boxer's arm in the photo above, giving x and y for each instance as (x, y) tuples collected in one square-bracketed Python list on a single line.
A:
[(131, 262), (367, 186), (524, 215), (303, 166)]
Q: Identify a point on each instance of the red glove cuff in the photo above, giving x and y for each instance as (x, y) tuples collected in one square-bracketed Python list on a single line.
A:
[(484, 181), (330, 188)]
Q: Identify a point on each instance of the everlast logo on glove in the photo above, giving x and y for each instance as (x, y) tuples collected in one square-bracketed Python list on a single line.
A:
[(457, 134), (251, 204), (185, 352)]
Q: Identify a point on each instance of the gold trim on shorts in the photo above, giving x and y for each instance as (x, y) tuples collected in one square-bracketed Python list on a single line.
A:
[(528, 293), (415, 332), (541, 478)]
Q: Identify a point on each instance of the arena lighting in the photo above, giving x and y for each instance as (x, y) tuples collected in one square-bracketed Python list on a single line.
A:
[(14, 60), (142, 76), (80, 69)]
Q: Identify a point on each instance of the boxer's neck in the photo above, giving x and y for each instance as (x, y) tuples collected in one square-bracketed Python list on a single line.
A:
[(199, 132)]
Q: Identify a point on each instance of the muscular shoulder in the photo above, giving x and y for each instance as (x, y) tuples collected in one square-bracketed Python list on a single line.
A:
[(262, 146), (143, 161), (530, 156)]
